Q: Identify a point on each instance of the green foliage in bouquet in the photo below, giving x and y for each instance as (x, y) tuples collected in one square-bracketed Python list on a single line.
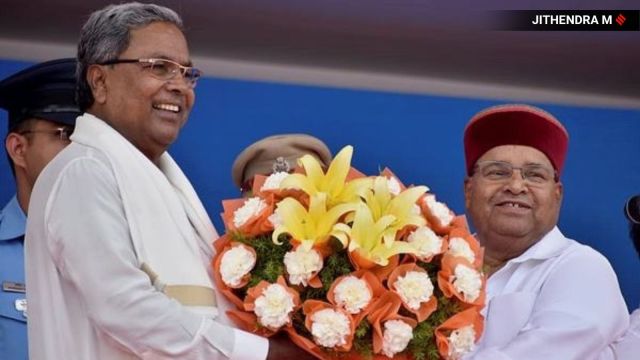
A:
[(270, 259), (423, 345)]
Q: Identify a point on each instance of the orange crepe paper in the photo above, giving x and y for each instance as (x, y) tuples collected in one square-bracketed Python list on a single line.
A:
[(310, 307), (386, 308), (374, 285), (467, 317), (275, 195), (426, 308), (382, 272), (249, 322), (434, 223), (386, 172), (256, 225), (256, 291), (447, 270), (354, 174), (222, 245), (408, 258), (460, 222), (473, 244), (306, 344)]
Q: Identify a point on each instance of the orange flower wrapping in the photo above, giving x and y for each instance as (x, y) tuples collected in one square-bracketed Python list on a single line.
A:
[(258, 224), (222, 245), (385, 309), (434, 222), (468, 317), (275, 195), (477, 250), (426, 308), (374, 285), (249, 321), (447, 272), (311, 307), (381, 272)]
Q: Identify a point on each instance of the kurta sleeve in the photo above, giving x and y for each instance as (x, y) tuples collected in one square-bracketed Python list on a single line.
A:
[(577, 314), (89, 240)]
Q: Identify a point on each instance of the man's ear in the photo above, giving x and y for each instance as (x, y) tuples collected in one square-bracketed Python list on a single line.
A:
[(96, 78), (16, 146), (467, 192), (559, 190)]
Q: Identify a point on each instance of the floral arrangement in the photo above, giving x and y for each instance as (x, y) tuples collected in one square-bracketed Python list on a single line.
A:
[(351, 266)]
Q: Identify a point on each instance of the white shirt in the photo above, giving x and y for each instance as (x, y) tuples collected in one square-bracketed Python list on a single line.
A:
[(628, 348), (87, 297), (558, 300)]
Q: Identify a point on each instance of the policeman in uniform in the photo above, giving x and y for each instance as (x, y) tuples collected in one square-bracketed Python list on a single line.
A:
[(42, 110), (274, 154)]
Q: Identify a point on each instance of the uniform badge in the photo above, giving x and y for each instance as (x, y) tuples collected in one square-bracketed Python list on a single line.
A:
[(10, 286), (21, 305)]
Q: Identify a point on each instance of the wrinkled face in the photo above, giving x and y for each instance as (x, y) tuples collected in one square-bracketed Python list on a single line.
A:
[(148, 111), (43, 143), (512, 214)]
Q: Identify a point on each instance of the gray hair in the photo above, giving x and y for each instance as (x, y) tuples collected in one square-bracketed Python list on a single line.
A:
[(106, 35)]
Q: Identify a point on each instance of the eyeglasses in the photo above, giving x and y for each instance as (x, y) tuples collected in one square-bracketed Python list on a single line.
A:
[(62, 133), (163, 69), (500, 171), (632, 209)]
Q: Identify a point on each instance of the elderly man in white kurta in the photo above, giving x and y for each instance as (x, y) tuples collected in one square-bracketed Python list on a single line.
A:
[(548, 297), (118, 243)]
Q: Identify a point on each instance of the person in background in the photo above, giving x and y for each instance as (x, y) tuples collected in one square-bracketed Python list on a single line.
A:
[(548, 297), (118, 244), (277, 153), (628, 348), (40, 101)]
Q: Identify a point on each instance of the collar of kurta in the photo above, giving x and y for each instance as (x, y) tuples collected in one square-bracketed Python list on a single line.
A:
[(551, 245), (12, 221)]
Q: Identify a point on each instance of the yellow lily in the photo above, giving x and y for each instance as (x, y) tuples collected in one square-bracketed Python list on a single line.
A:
[(366, 237), (311, 227), (333, 183), (402, 207)]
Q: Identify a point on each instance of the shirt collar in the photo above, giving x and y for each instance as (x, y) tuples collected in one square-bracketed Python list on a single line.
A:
[(551, 245), (12, 221)]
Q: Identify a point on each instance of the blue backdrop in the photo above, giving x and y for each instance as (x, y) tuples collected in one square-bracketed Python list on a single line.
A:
[(418, 137)]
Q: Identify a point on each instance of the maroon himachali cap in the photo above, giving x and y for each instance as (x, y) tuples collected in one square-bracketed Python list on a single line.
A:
[(515, 124)]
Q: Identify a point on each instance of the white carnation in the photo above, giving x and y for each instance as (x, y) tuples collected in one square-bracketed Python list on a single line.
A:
[(468, 282), (301, 264), (460, 247), (274, 306), (274, 180), (252, 207), (414, 288), (275, 219), (352, 294), (394, 186), (439, 210), (461, 342), (235, 264), (426, 242), (397, 335), (330, 328)]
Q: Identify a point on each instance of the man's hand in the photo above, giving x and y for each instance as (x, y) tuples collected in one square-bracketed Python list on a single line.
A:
[(281, 348)]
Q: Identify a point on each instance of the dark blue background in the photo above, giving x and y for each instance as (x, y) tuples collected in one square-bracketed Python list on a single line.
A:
[(419, 137)]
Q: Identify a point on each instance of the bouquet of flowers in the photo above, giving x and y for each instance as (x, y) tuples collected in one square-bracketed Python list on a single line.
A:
[(351, 266)]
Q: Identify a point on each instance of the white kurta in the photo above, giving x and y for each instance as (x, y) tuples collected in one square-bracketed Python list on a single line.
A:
[(559, 300), (628, 348), (88, 298)]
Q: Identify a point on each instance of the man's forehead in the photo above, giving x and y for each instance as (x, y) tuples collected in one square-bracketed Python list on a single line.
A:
[(160, 40), (517, 155)]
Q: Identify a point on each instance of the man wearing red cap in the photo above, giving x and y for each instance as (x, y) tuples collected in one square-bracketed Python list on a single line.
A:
[(549, 297)]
